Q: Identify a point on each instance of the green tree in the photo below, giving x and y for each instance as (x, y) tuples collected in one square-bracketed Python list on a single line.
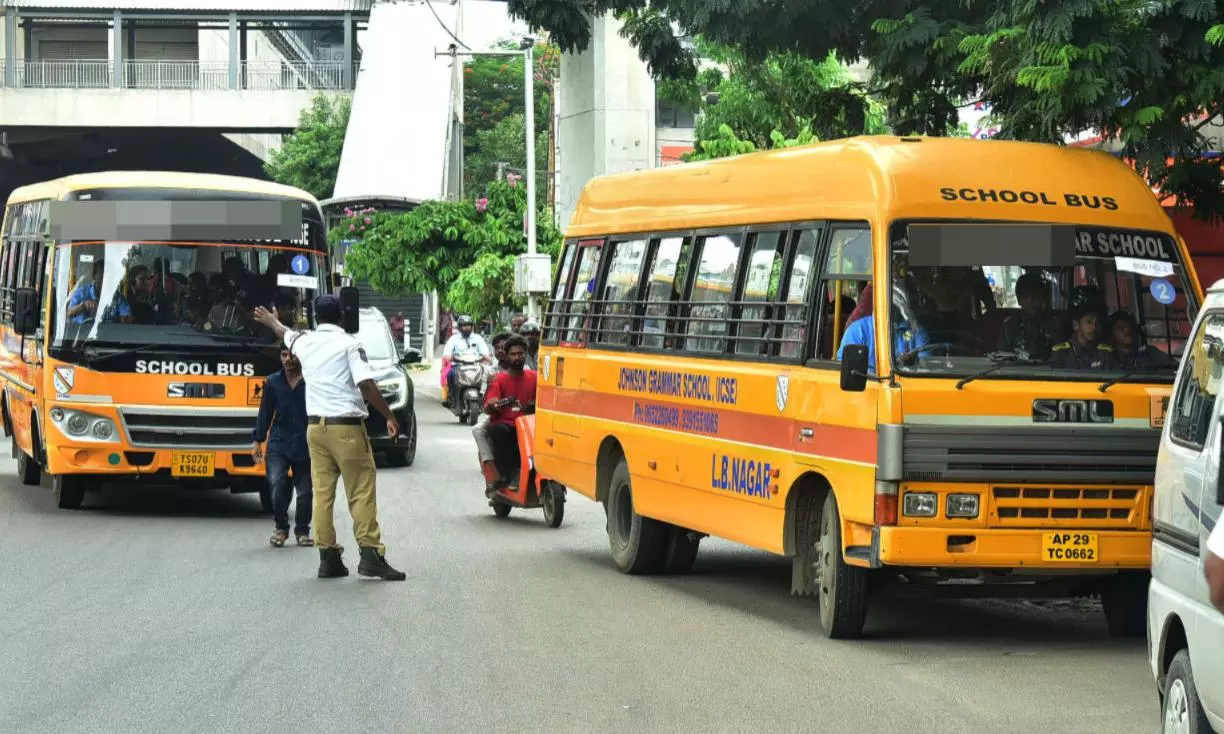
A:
[(493, 107), (1142, 73), (462, 249), (309, 158), (506, 142)]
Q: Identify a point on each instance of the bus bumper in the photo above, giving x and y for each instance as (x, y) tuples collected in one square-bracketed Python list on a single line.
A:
[(999, 548), (119, 460)]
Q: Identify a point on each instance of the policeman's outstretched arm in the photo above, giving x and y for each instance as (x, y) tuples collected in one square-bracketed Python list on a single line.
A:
[(268, 319)]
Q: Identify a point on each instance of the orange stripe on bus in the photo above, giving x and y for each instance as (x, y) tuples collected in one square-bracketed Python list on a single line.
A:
[(838, 442)]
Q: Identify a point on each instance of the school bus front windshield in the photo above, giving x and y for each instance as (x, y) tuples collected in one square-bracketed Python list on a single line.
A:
[(188, 296), (1023, 301)]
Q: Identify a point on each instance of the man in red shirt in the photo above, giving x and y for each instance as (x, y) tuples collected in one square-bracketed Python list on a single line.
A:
[(511, 394)]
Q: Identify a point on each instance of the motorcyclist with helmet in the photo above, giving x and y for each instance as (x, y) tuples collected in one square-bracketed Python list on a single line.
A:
[(530, 331), (463, 341)]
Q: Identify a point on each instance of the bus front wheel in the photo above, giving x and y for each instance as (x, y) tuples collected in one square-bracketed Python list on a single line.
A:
[(69, 491), (843, 590), (638, 543)]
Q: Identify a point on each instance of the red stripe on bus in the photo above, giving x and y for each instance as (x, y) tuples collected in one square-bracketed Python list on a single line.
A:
[(838, 442)]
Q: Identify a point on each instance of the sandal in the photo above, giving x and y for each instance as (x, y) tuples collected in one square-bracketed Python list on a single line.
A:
[(278, 538), (305, 541)]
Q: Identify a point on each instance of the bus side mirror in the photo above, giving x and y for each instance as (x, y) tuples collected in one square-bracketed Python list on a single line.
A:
[(854, 368), (25, 311), (350, 309), (412, 355)]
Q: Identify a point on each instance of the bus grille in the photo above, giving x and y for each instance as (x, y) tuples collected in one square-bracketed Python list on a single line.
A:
[(153, 428), (1028, 455), (1086, 507)]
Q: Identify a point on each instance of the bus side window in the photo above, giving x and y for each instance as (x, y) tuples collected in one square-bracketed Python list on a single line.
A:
[(552, 320), (664, 289), (800, 271), (713, 286), (582, 291), (846, 274), (618, 295), (760, 289)]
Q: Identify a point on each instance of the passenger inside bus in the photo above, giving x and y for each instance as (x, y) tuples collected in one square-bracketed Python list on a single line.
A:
[(83, 303), (1128, 352), (1084, 350), (1034, 331)]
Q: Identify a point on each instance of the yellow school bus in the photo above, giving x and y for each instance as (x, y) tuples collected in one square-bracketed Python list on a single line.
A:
[(889, 359), (127, 347)]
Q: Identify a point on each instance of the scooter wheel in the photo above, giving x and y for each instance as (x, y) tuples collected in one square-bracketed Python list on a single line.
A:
[(501, 509), (553, 502)]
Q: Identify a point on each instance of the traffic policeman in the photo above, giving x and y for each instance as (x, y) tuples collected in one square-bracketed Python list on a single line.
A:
[(339, 383), (1129, 354), (1082, 351)]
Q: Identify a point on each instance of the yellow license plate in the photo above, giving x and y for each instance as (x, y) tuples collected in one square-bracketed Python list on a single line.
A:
[(192, 464), (1070, 548)]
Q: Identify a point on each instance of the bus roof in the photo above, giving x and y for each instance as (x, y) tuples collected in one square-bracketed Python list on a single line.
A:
[(56, 189), (877, 179)]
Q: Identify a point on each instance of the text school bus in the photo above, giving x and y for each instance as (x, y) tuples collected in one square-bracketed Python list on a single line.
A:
[(127, 347), (988, 420)]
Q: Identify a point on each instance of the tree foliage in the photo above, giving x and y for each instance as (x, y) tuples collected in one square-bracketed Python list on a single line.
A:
[(493, 107), (1147, 74), (462, 249), (309, 158)]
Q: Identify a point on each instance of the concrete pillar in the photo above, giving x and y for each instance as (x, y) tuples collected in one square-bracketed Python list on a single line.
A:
[(117, 55), (347, 81), (242, 54), (10, 47), (607, 113), (233, 50)]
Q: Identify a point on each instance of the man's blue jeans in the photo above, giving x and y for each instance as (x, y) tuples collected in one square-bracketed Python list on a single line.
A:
[(282, 486)]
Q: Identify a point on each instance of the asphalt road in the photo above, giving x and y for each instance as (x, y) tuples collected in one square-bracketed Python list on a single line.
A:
[(160, 611)]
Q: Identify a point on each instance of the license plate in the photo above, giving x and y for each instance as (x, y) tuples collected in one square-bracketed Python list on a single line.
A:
[(1070, 548), (192, 464)]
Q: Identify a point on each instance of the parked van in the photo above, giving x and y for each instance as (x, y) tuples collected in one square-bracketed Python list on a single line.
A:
[(1185, 632)]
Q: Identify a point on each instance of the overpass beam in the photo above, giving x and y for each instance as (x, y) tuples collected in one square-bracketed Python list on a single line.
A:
[(117, 53), (10, 47), (348, 52), (233, 50)]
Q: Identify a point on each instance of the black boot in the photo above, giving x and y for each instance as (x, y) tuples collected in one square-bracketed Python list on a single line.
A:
[(373, 564), (330, 565)]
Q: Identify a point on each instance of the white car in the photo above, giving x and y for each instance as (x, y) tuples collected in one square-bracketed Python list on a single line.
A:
[(1185, 632)]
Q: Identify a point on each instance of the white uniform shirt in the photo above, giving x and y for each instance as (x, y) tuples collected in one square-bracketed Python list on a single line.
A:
[(1215, 543), (333, 364), (458, 344)]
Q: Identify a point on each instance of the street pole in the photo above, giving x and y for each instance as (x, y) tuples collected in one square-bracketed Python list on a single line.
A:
[(529, 88)]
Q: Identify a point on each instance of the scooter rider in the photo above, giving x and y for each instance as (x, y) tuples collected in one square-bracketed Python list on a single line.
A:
[(480, 431), (530, 331), (465, 340), (511, 395)]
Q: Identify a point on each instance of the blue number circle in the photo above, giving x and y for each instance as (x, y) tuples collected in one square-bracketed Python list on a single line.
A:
[(1163, 291), (300, 264)]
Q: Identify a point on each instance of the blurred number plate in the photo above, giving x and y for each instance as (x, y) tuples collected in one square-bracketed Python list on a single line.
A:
[(192, 464), (1069, 548)]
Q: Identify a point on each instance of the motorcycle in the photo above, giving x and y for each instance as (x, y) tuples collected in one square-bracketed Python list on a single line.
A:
[(471, 381), (528, 489)]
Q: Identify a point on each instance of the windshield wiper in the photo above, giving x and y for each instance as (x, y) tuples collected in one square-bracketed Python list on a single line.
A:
[(1001, 360), (91, 356), (1125, 377)]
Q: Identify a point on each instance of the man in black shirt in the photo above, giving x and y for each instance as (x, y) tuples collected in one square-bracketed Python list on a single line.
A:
[(284, 408), (1083, 351), (1034, 330), (1129, 354)]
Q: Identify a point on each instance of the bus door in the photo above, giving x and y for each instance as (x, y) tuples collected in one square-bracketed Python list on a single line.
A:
[(833, 279), (568, 376)]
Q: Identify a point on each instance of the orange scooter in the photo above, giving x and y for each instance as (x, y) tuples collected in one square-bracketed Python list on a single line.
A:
[(531, 490)]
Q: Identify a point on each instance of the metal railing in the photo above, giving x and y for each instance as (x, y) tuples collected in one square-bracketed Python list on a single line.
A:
[(201, 75)]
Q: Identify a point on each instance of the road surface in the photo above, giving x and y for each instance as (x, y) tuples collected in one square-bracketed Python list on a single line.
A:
[(155, 611)]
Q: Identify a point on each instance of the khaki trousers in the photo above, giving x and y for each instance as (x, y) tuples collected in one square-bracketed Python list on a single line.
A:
[(343, 452)]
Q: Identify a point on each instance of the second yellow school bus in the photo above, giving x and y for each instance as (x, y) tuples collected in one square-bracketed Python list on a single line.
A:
[(886, 358)]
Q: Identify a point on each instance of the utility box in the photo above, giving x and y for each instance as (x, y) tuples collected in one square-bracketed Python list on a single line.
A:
[(532, 274)]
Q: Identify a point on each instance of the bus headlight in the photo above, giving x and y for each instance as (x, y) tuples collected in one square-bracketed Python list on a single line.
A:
[(84, 426), (963, 506), (919, 504)]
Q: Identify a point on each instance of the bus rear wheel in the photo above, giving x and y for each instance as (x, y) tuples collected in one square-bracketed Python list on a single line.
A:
[(1124, 602), (843, 589), (638, 543)]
